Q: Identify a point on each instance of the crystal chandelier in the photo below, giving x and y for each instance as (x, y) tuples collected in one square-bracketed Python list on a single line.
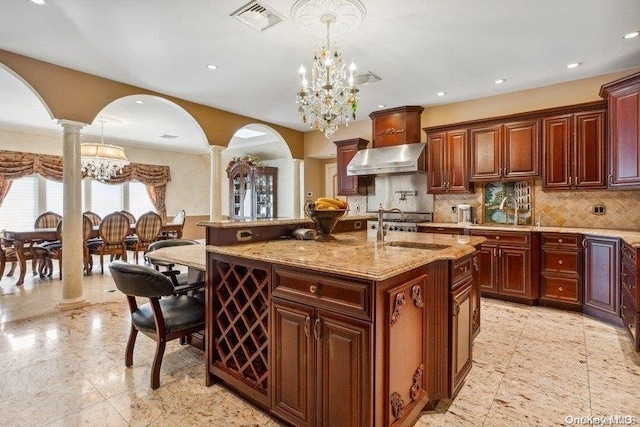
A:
[(330, 99), (102, 161)]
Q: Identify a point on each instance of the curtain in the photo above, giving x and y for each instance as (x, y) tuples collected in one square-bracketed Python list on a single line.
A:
[(15, 164)]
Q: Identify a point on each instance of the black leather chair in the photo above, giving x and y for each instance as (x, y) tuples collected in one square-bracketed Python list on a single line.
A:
[(161, 319)]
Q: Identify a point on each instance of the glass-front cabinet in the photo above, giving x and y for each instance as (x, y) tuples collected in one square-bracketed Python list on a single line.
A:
[(252, 191)]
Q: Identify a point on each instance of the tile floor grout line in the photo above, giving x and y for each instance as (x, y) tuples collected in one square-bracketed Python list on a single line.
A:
[(586, 356)]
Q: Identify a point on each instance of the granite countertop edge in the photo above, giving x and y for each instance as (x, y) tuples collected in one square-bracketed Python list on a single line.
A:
[(632, 238), (230, 223)]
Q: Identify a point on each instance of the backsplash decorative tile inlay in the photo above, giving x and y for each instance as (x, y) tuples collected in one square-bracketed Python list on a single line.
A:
[(560, 208)]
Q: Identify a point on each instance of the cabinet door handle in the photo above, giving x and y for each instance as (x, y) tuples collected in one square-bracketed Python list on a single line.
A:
[(584, 243), (559, 240), (307, 321), (560, 288), (560, 261), (494, 252), (313, 289), (610, 178), (570, 181), (500, 253), (316, 329)]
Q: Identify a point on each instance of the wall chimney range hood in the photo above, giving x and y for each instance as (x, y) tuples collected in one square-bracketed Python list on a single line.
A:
[(386, 160)]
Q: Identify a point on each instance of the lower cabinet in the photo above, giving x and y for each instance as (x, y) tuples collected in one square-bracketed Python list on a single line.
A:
[(507, 268), (561, 270), (461, 333), (630, 294), (602, 277), (322, 373)]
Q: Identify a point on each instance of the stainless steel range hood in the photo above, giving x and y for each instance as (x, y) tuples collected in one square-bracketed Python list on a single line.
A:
[(385, 160)]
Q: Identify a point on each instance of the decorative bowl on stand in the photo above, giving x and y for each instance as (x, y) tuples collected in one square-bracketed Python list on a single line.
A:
[(325, 219)]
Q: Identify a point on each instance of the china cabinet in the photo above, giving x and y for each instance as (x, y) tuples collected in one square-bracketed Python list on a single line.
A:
[(252, 191)]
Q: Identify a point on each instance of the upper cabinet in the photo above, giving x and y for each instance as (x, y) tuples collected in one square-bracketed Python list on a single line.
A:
[(623, 98), (505, 151), (345, 150), (574, 151), (395, 126), (448, 162), (252, 191)]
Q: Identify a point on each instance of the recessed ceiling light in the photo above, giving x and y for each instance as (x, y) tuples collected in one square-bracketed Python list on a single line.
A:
[(573, 65), (441, 93), (631, 35), (498, 82), (381, 106), (138, 101), (40, 2), (212, 67)]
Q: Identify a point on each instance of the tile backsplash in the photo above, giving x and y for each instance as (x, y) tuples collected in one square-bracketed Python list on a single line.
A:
[(559, 208)]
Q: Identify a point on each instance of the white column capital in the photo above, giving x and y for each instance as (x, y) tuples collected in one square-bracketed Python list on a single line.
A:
[(216, 149), (71, 126)]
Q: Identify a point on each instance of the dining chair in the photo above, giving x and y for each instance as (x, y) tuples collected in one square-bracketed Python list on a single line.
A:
[(94, 217), (54, 250), (132, 218), (164, 318), (148, 227), (7, 254), (113, 230), (39, 263), (178, 219)]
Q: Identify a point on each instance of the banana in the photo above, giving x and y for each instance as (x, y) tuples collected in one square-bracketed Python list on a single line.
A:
[(339, 204)]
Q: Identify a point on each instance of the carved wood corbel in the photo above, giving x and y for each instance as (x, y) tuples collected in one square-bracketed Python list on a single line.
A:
[(400, 300), (416, 294), (397, 405), (416, 387)]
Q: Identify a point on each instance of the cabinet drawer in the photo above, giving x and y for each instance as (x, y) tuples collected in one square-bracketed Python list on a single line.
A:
[(629, 253), (505, 237), (561, 240), (321, 291), (630, 319), (461, 269), (560, 288), (629, 281), (562, 261), (440, 230)]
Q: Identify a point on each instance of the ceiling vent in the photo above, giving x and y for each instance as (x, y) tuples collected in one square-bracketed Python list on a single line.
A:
[(258, 16), (168, 136), (366, 78)]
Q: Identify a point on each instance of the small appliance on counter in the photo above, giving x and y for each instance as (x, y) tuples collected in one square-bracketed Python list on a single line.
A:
[(465, 214)]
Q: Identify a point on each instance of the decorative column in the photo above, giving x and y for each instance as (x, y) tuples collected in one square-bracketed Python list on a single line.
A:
[(72, 289), (215, 187), (297, 169)]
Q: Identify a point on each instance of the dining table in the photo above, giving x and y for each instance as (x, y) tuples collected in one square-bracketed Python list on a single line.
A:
[(20, 238)]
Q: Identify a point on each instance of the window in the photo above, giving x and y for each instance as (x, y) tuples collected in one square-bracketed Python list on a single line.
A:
[(106, 198), (20, 208), (33, 195), (139, 200)]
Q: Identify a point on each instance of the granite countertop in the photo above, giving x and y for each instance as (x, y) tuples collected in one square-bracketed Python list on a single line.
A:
[(234, 223), (630, 237), (193, 256), (355, 254)]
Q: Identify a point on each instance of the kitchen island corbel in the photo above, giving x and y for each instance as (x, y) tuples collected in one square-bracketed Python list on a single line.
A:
[(345, 332)]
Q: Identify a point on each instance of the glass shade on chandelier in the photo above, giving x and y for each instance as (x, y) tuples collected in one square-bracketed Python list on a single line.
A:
[(330, 98), (102, 161)]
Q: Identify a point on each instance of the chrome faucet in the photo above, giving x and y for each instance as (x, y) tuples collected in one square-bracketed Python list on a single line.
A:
[(381, 231), (515, 205)]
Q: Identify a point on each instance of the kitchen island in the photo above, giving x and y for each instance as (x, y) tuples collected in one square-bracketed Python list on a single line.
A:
[(343, 332)]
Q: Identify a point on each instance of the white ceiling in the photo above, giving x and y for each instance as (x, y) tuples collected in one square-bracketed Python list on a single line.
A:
[(417, 47)]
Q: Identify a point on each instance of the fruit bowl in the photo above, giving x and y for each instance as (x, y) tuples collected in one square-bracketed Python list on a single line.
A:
[(325, 219)]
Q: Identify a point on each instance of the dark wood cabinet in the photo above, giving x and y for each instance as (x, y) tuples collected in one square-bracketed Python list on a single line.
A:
[(448, 162), (602, 277), (623, 99), (253, 191), (395, 126), (630, 295), (574, 151), (561, 270), (322, 357), (506, 151), (461, 333), (345, 150), (507, 268)]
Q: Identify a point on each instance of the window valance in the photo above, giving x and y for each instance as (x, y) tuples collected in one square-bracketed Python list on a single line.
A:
[(15, 164)]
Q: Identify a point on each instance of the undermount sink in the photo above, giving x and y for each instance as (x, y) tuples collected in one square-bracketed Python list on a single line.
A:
[(418, 245)]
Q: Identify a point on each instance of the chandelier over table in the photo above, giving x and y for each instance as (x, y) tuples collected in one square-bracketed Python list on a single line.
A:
[(102, 161)]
